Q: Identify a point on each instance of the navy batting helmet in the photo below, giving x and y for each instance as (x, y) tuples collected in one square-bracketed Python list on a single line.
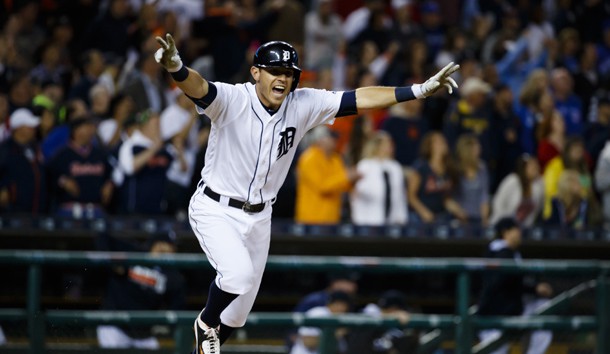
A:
[(278, 54)]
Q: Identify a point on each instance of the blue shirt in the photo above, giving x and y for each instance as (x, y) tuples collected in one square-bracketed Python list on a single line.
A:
[(527, 132), (57, 139), (571, 110)]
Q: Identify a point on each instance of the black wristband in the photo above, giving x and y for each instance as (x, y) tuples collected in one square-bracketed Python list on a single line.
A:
[(181, 74), (404, 94)]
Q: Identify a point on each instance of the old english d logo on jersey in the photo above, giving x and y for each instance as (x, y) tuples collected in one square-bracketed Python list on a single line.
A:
[(286, 141)]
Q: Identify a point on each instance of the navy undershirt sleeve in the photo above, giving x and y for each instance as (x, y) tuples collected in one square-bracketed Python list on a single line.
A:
[(206, 100), (348, 104)]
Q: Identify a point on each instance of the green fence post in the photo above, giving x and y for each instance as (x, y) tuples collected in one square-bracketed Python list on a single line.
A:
[(463, 333), (603, 314), (328, 342), (35, 318), (183, 337)]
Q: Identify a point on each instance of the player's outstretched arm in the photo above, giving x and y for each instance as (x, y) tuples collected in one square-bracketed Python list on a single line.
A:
[(188, 80), (382, 97)]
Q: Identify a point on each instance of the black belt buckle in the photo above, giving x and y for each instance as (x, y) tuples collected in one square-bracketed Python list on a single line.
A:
[(247, 208)]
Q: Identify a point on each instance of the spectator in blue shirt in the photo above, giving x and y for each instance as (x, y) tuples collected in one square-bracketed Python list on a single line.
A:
[(566, 102)]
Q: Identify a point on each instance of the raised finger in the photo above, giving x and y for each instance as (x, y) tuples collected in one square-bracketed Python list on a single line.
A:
[(449, 88), (443, 71), (452, 69), (170, 40), (162, 43), (452, 82)]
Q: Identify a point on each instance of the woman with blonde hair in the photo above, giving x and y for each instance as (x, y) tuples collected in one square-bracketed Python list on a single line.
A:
[(471, 179), (569, 208), (573, 157), (379, 197)]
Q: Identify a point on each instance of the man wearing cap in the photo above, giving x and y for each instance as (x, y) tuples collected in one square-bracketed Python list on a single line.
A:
[(80, 173), (322, 178), (344, 282), (308, 339), (138, 288), (22, 177), (471, 114)]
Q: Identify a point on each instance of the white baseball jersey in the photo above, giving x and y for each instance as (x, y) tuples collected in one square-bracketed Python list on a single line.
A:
[(250, 151)]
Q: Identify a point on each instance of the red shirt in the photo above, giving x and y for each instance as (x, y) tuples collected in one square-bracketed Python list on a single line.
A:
[(546, 152)]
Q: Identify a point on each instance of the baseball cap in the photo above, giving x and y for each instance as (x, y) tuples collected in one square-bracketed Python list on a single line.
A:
[(23, 117), (473, 85), (503, 225)]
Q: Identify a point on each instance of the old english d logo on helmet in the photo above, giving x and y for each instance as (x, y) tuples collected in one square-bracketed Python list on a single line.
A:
[(278, 54)]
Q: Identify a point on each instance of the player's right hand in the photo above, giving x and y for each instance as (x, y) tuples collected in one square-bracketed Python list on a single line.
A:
[(167, 55), (442, 78)]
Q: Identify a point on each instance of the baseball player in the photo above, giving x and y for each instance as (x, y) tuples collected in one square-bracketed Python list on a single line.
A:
[(255, 131)]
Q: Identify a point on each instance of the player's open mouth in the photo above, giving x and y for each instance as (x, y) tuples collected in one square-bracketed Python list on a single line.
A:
[(279, 89)]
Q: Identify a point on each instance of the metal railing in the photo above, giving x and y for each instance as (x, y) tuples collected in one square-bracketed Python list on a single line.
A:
[(462, 322), (49, 225)]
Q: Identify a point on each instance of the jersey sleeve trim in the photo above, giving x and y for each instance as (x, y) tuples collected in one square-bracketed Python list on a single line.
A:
[(348, 106), (206, 100)]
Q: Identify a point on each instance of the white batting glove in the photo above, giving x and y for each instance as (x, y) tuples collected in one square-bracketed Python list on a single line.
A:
[(167, 55), (442, 78)]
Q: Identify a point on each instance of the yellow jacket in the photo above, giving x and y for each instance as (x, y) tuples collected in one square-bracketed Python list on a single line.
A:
[(552, 171), (321, 182)]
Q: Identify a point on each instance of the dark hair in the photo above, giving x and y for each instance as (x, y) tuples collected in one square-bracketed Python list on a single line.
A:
[(504, 225), (426, 146), (116, 101)]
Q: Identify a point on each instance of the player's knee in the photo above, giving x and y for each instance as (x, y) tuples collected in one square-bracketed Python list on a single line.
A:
[(239, 281)]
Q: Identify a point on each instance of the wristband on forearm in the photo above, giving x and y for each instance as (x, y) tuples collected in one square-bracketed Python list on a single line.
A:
[(181, 74), (404, 93)]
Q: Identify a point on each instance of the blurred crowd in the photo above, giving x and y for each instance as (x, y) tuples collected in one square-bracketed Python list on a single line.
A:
[(91, 125)]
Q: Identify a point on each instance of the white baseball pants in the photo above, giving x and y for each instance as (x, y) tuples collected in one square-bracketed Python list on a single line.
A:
[(237, 246)]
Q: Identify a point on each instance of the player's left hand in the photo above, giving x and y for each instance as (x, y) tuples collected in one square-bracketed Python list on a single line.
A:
[(442, 78), (167, 55)]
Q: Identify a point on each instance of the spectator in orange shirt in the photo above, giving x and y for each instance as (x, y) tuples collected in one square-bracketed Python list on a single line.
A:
[(322, 178)]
